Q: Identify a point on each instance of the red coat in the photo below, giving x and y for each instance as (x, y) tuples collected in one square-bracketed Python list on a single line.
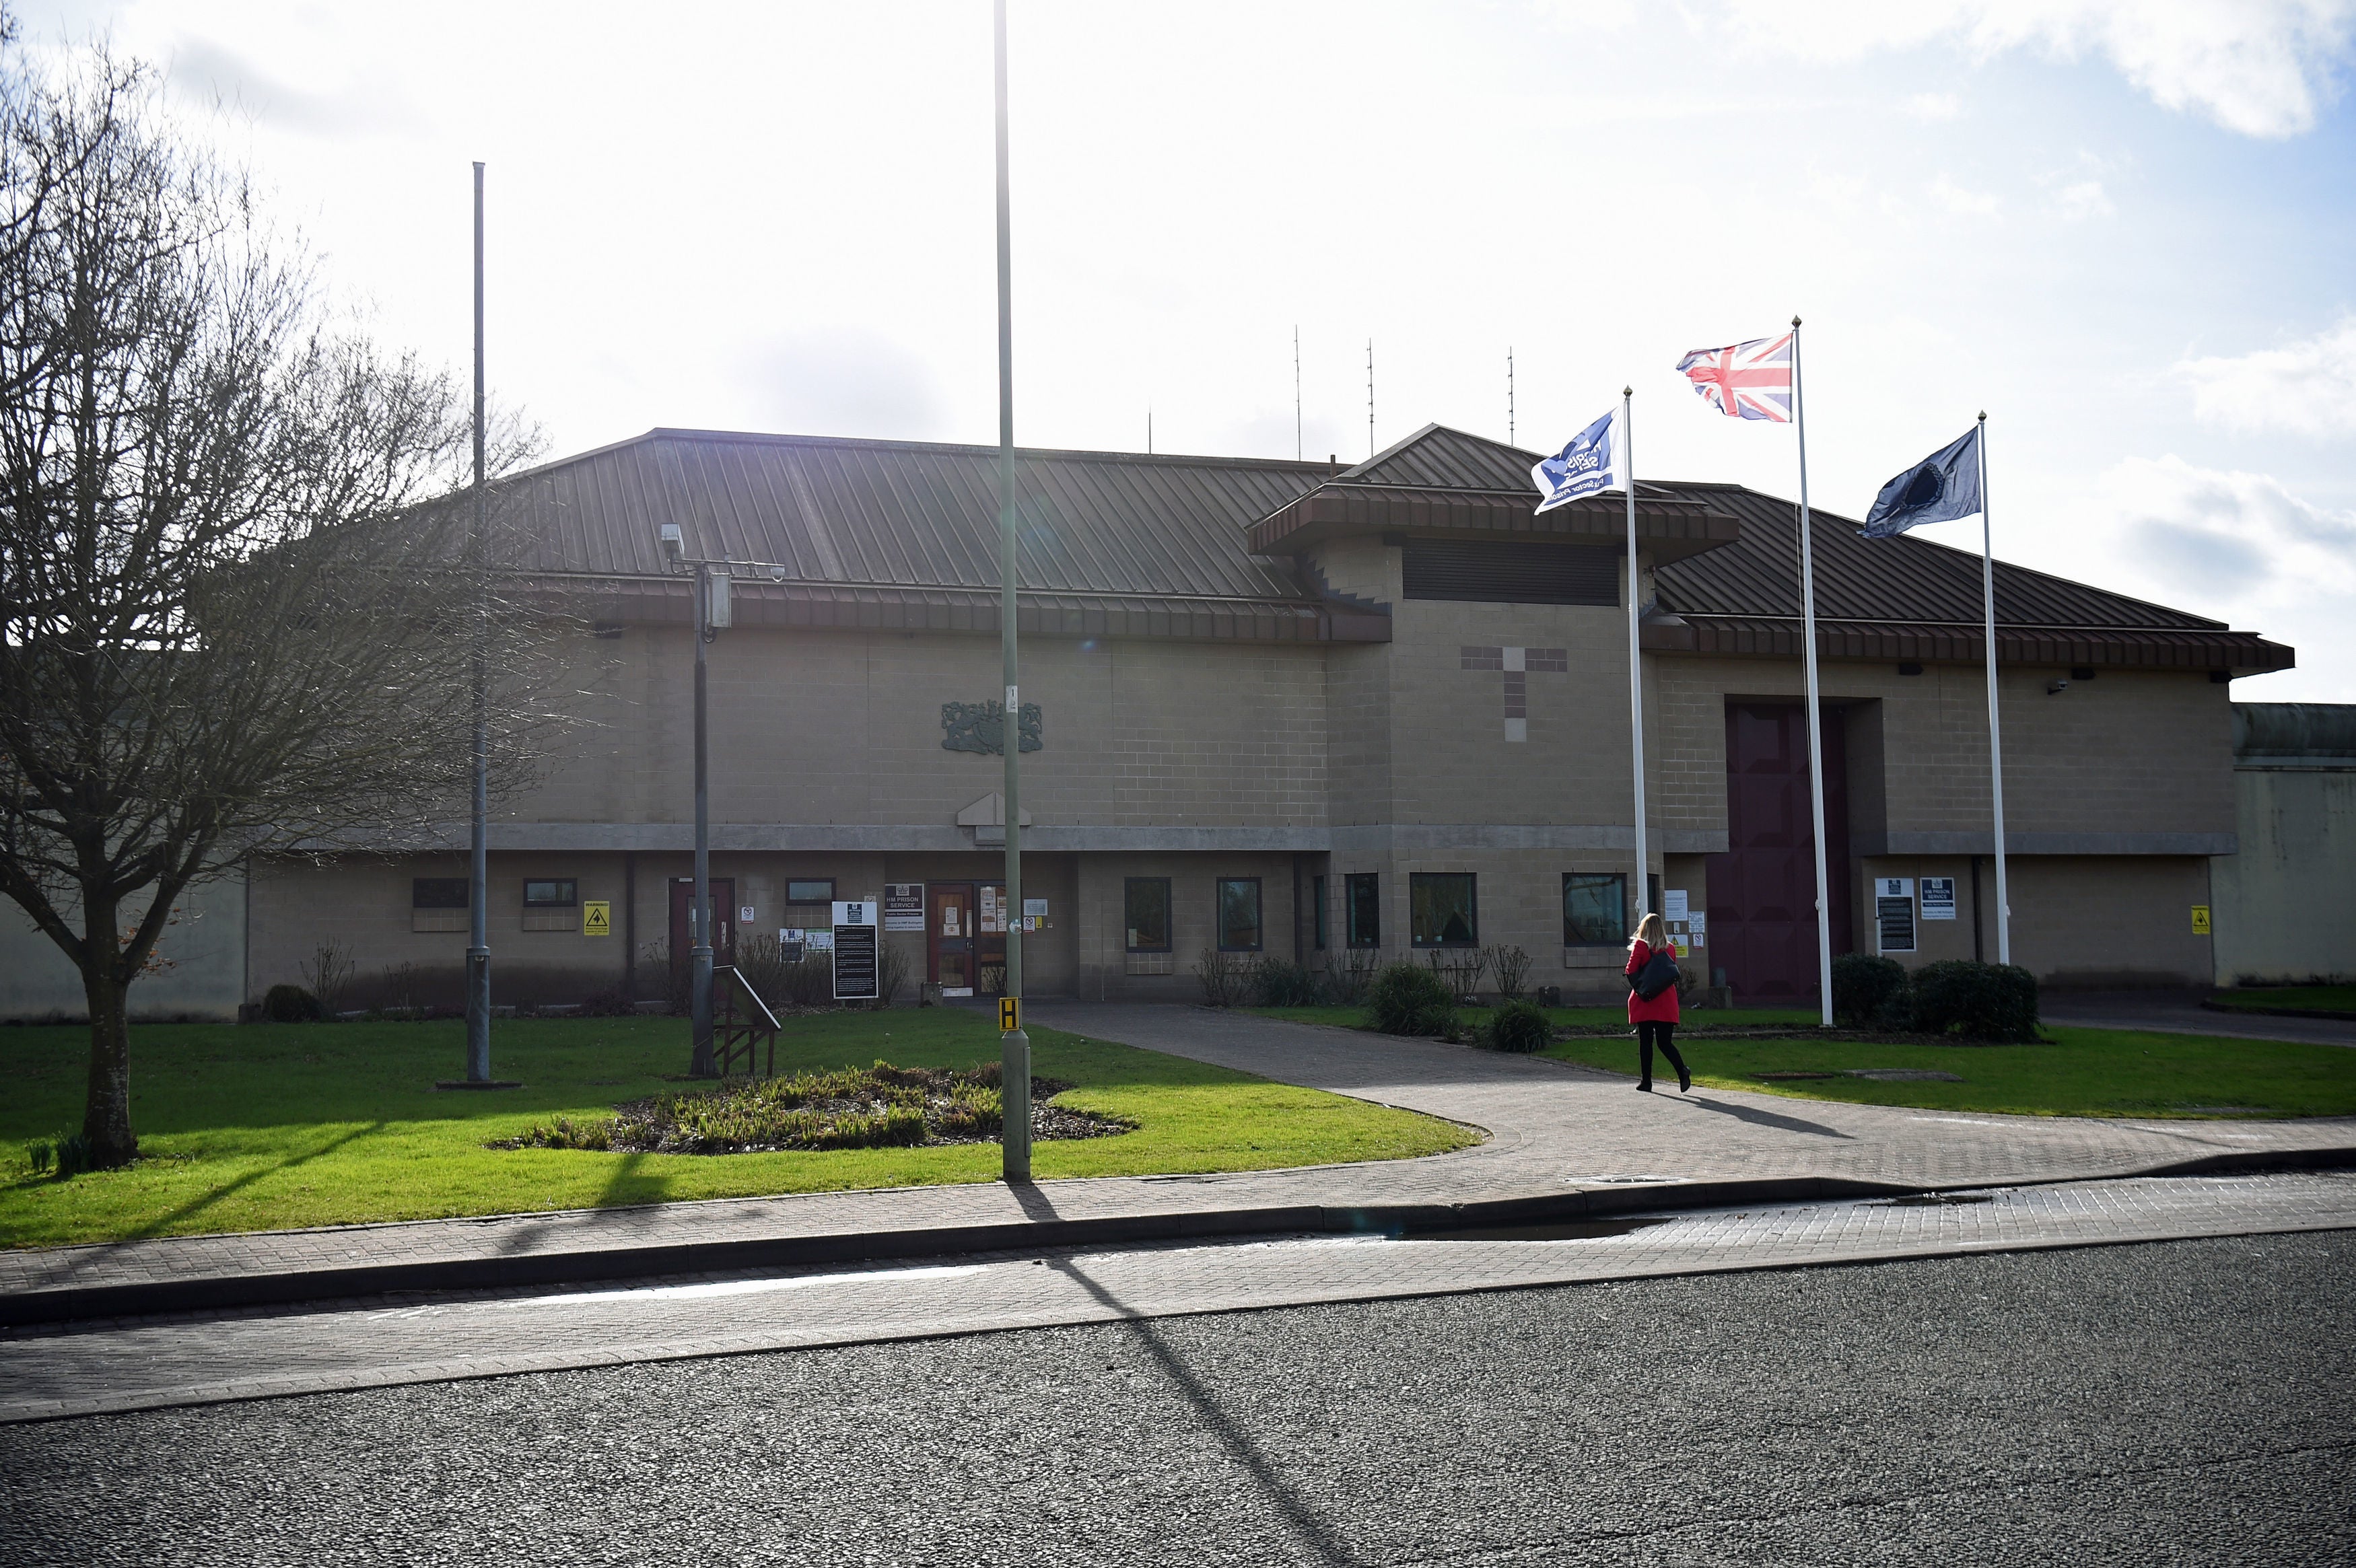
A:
[(1661, 1010)]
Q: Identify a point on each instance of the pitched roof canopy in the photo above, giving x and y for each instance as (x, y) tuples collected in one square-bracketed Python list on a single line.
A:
[(841, 532)]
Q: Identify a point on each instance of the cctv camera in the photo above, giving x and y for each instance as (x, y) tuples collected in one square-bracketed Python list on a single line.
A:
[(2055, 686), (674, 543)]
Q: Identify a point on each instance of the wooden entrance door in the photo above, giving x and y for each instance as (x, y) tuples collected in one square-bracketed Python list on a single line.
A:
[(724, 923), (1763, 891), (949, 937)]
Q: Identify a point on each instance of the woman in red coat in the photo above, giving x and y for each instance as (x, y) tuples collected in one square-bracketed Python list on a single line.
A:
[(1656, 1020)]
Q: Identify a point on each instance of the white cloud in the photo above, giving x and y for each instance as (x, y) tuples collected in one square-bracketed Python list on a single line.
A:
[(208, 74), (2217, 536), (2257, 66), (2308, 388), (1964, 203), (2082, 199), (1934, 106)]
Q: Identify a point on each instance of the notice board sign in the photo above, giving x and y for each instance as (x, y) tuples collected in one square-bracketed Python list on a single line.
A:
[(1894, 913), (1938, 898), (904, 906), (855, 951)]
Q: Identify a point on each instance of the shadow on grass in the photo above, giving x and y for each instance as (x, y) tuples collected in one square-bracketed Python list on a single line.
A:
[(199, 1204)]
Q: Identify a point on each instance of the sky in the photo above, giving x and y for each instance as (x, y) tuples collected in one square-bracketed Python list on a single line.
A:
[(2124, 229)]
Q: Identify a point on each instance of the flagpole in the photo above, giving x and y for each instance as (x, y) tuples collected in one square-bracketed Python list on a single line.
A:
[(1635, 663), (1996, 737), (1808, 655)]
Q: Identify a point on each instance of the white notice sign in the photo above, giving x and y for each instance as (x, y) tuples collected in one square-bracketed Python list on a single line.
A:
[(1938, 898), (1673, 904)]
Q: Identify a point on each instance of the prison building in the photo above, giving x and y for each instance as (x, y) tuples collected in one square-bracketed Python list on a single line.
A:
[(1331, 714)]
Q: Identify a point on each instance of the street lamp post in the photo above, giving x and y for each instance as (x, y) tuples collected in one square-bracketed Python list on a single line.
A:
[(1014, 1043), (705, 626)]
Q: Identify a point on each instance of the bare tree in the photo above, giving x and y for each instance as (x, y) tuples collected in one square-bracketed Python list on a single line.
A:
[(239, 600)]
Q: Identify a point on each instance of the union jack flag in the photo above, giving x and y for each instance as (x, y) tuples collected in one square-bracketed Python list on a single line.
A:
[(1747, 381)]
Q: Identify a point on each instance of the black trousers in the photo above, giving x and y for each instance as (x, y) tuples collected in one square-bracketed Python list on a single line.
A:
[(1649, 1034)]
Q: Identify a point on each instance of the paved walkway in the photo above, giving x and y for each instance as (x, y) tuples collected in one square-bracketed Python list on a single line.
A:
[(2179, 1012), (1555, 1130), (150, 1362)]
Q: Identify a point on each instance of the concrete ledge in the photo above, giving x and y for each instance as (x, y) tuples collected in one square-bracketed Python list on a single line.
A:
[(217, 1292)]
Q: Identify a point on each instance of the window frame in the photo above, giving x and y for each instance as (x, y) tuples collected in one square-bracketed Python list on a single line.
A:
[(571, 898), (1219, 886), (1472, 910), (1372, 882), (1317, 901), (1620, 880), (417, 886), (1169, 914), (794, 896)]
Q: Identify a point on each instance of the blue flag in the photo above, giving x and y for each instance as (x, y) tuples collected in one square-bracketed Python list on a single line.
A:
[(1591, 463), (1943, 485)]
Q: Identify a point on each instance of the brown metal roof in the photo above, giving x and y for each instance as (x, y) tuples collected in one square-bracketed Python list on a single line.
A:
[(1914, 599), (905, 535), (912, 514), (1444, 480)]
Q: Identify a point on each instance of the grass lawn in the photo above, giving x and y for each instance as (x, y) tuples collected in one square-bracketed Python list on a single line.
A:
[(2085, 1072), (272, 1125), (1612, 1017), (2320, 998)]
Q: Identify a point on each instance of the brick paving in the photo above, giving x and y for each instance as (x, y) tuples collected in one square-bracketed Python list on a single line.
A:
[(149, 1362), (1554, 1129)]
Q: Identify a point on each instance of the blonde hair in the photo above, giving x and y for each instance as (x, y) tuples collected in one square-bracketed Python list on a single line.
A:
[(1651, 932)]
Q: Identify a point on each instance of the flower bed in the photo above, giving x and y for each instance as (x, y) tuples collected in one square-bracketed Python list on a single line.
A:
[(881, 1106)]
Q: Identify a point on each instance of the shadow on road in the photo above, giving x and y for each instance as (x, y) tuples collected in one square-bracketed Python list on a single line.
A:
[(1316, 1537)]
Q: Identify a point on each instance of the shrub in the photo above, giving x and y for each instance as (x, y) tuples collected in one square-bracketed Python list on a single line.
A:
[(609, 1003), (1865, 985), (1978, 1001), (1512, 967), (1346, 981), (1223, 976), (1409, 998), (1518, 1026), (892, 967), (289, 1005), (1280, 983)]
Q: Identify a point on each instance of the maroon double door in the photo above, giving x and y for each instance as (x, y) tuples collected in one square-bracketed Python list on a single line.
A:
[(1763, 891)]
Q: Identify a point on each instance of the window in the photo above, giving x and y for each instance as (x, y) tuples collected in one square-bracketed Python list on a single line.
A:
[(561, 893), (438, 893), (1238, 914), (1509, 571), (1362, 910), (810, 891), (1441, 910), (438, 903), (1594, 908), (1317, 900), (1146, 900)]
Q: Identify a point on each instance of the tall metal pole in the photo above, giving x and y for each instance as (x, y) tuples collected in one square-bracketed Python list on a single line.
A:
[(1636, 658), (1808, 660), (478, 886), (1995, 736), (698, 917), (1370, 397), (1296, 394), (1014, 1044)]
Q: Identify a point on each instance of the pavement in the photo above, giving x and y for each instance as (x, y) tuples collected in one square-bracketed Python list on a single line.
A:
[(2180, 1012), (2175, 1402), (150, 1362), (1563, 1141)]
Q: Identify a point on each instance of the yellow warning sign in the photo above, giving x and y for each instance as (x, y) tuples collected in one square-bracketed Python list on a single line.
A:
[(1010, 1014), (2199, 919), (596, 918)]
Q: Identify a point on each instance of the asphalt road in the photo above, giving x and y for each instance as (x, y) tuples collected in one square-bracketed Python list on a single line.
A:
[(2182, 1401)]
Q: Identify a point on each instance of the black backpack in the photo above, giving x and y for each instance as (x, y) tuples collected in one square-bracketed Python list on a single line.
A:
[(1659, 973)]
